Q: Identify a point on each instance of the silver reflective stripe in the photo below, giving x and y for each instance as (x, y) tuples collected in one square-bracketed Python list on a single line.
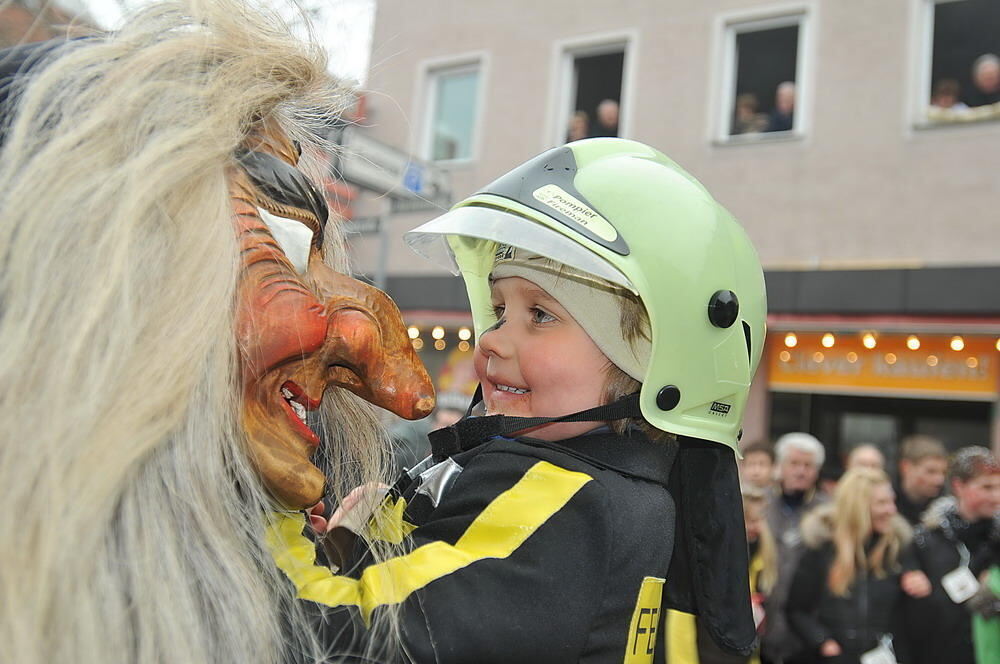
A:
[(414, 473), (437, 480)]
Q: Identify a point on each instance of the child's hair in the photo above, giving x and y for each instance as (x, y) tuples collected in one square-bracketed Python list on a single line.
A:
[(852, 525), (634, 326)]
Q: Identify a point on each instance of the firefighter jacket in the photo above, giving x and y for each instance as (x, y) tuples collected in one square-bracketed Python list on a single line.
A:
[(517, 551)]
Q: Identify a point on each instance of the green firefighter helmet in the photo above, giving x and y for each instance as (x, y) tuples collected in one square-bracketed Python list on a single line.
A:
[(628, 214)]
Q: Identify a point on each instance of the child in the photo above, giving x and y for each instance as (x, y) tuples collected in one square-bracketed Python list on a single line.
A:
[(620, 316)]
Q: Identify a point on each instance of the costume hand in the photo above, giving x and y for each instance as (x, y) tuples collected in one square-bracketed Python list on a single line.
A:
[(915, 584), (357, 507), (316, 518), (830, 648)]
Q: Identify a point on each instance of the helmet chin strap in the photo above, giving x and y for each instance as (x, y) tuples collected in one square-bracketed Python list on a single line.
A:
[(471, 431)]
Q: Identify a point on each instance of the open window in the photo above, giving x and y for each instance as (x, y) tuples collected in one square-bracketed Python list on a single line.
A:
[(452, 112), (762, 71), (962, 60), (593, 76)]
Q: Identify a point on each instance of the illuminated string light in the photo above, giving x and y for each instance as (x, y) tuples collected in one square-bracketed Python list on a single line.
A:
[(868, 341), (440, 344), (913, 342), (828, 340), (957, 343), (784, 356), (413, 331), (817, 357), (890, 358), (972, 363), (437, 333), (464, 333), (464, 346), (418, 343), (852, 357), (932, 360), (792, 341)]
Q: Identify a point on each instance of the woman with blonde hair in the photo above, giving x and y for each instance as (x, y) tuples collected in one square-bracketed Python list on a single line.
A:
[(171, 315), (846, 589)]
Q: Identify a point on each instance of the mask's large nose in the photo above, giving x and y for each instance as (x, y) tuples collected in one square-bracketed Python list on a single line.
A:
[(368, 351)]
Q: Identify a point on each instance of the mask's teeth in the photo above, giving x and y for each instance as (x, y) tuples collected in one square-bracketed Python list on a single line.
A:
[(299, 410), (287, 393)]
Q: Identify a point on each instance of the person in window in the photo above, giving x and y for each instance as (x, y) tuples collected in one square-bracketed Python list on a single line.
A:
[(607, 119), (985, 80), (579, 127), (746, 119), (782, 118), (953, 550), (945, 95), (847, 584)]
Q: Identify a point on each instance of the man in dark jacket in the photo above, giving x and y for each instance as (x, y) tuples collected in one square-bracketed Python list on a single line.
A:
[(923, 466), (799, 458), (958, 541)]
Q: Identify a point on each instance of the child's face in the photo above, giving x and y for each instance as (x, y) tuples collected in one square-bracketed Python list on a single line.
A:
[(756, 469), (537, 361)]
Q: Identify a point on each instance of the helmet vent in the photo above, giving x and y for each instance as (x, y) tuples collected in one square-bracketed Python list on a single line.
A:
[(746, 334)]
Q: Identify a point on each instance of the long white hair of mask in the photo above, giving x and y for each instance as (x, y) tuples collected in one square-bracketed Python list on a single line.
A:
[(132, 522)]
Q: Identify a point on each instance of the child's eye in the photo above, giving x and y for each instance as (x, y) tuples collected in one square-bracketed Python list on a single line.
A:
[(498, 310), (540, 316)]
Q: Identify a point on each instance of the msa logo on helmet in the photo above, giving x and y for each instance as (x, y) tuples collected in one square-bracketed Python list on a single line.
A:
[(719, 409), (569, 206)]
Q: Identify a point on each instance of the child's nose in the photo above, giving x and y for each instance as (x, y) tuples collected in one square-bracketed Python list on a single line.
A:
[(495, 340)]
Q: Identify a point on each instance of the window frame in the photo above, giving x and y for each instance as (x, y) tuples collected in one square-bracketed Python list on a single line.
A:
[(431, 72), (923, 59), (722, 91), (563, 76)]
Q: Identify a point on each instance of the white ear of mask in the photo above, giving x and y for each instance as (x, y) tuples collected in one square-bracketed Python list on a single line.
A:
[(294, 238)]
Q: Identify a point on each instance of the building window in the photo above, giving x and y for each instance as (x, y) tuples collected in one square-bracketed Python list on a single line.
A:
[(762, 72), (592, 90), (597, 91), (963, 83), (454, 100)]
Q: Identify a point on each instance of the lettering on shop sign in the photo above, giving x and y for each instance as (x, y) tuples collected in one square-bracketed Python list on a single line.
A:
[(903, 367)]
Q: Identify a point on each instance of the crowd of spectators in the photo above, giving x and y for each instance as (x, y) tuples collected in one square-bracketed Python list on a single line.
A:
[(873, 570)]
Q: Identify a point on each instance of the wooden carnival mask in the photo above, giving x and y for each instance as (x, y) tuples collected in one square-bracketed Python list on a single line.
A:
[(301, 326)]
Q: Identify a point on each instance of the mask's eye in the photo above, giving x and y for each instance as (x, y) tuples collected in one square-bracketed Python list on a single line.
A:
[(294, 238)]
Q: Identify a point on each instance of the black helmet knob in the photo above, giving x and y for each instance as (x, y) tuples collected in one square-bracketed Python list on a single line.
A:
[(723, 308), (668, 397)]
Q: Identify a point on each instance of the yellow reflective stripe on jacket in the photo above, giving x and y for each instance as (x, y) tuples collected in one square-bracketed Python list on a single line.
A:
[(682, 638), (642, 630), (497, 532)]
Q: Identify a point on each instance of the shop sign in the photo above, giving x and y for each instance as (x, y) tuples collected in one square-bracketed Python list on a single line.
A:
[(934, 369)]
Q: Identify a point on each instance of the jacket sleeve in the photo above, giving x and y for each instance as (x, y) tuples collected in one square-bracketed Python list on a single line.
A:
[(509, 567), (804, 598)]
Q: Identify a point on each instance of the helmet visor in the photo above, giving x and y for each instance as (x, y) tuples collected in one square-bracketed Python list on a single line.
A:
[(493, 226)]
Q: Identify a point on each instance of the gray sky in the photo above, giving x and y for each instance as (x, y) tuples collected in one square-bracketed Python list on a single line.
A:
[(345, 26)]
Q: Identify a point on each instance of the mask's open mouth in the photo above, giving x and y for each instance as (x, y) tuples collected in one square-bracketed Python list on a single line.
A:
[(297, 404)]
